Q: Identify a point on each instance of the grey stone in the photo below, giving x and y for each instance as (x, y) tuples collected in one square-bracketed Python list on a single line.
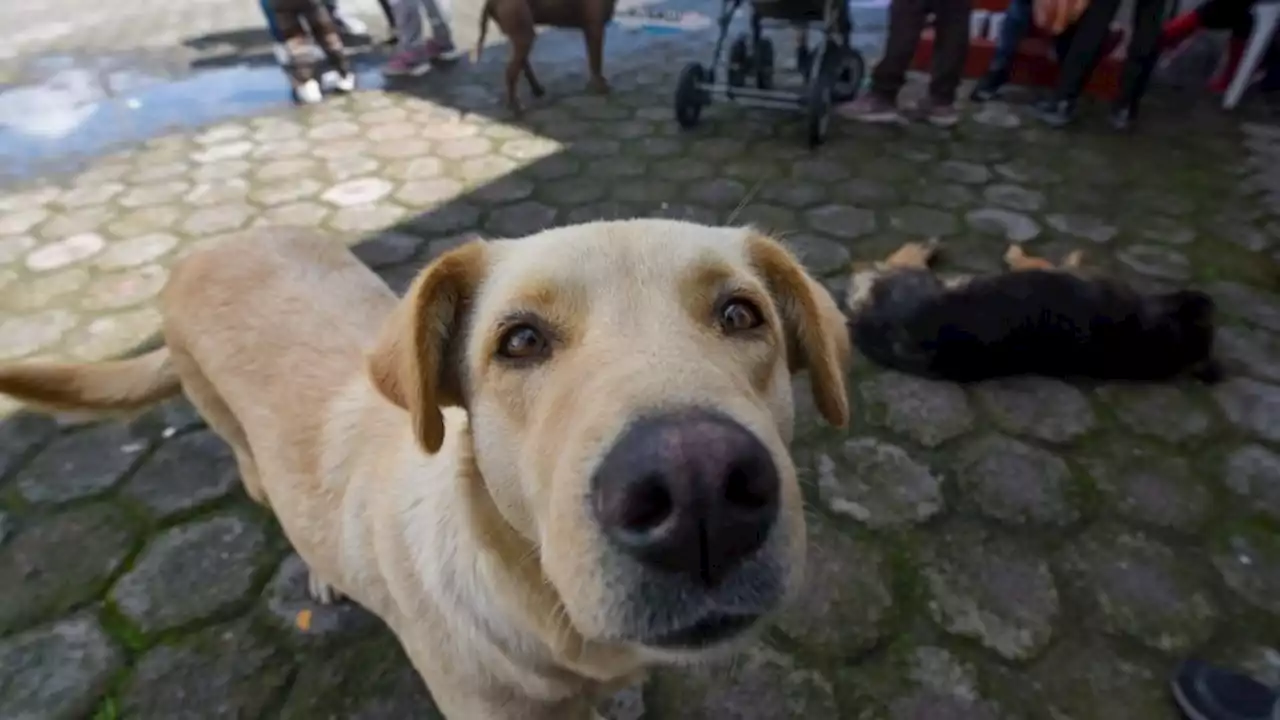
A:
[(993, 590), (366, 680), (1249, 562), (1042, 408), (1014, 197), (1252, 473), (221, 556), (184, 473), (1251, 405), (521, 219), (841, 221), (1157, 262), (963, 172), (80, 464), (864, 192), (878, 484), (761, 684), (1257, 307), (922, 221), (1149, 486), (20, 435), (56, 672), (1257, 351), (1026, 170), (930, 412), (845, 601), (1085, 227), (1166, 231), (53, 564), (1085, 678), (1134, 586), (819, 255), (224, 672), (289, 602), (718, 193), (1159, 411), (387, 248), (1012, 226), (627, 704), (945, 195), (1015, 483)]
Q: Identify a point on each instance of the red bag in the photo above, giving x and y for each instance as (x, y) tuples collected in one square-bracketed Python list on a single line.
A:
[(1054, 16)]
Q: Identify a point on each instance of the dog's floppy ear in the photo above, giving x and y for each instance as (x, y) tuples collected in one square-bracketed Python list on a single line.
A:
[(816, 330), (417, 363)]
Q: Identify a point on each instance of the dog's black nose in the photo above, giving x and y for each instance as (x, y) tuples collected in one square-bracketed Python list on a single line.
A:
[(689, 492)]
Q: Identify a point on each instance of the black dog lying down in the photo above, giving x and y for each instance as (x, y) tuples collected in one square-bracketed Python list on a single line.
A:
[(1029, 321)]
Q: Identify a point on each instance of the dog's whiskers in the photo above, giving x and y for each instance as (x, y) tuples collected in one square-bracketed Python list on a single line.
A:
[(746, 200)]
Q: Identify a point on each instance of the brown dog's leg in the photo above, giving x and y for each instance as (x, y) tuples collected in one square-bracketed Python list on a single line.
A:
[(1017, 259), (594, 33), (913, 255)]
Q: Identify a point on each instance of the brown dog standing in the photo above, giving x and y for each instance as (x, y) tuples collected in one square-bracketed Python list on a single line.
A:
[(518, 18)]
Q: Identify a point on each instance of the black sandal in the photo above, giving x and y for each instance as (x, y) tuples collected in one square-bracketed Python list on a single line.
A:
[(1205, 692)]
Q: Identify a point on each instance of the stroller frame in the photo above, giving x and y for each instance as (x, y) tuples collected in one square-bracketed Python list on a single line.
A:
[(832, 73)]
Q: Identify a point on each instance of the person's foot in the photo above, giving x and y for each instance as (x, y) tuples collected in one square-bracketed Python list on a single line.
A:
[(1204, 692), (937, 114), (348, 23), (407, 63), (440, 52), (1055, 113), (988, 87), (1122, 117), (344, 83), (308, 93), (872, 108)]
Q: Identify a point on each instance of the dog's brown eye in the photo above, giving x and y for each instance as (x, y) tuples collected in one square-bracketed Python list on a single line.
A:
[(740, 316), (523, 342)]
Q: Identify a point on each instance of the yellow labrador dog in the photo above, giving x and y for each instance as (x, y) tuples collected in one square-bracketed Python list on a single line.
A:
[(556, 461)]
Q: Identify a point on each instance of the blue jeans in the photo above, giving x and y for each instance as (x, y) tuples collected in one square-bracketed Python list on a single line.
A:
[(272, 27), (1018, 18)]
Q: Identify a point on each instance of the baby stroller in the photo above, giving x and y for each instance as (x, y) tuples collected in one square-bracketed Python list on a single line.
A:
[(832, 73)]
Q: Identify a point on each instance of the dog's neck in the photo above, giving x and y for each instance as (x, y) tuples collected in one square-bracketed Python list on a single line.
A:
[(539, 609)]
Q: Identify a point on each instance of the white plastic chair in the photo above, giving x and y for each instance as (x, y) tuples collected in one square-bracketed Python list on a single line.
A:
[(1266, 15)]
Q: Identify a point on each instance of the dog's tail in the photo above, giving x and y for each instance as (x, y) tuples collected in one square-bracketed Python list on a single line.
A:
[(484, 29), (107, 387)]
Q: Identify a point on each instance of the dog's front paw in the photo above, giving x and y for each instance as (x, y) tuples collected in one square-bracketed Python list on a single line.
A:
[(321, 591)]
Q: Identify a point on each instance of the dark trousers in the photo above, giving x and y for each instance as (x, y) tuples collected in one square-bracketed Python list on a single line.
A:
[(293, 18), (951, 46), (1090, 36), (1233, 15)]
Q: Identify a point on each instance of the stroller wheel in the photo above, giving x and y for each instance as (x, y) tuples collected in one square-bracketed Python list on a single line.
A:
[(853, 70), (739, 61), (764, 64), (690, 96), (820, 97)]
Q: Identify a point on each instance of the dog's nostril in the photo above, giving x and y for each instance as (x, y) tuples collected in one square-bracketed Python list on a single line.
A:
[(648, 505), (745, 490)]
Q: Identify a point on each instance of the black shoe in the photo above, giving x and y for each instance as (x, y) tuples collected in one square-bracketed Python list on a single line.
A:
[(1055, 113), (1122, 117), (988, 87), (1204, 692)]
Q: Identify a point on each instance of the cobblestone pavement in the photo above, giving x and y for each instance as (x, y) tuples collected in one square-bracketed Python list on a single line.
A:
[(1020, 549)]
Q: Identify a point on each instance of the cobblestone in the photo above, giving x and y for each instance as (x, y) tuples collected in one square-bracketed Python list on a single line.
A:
[(1011, 550)]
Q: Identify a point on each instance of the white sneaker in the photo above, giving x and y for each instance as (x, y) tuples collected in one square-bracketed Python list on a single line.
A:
[(308, 93), (344, 83)]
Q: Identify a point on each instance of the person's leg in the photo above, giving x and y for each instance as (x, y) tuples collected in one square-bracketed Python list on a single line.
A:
[(1140, 59), (273, 26), (410, 57), (297, 42), (906, 20), (1017, 22), (440, 46), (1082, 57), (1240, 22), (325, 31), (950, 50), (344, 21)]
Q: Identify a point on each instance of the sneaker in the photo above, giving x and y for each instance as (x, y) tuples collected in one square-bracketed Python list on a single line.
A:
[(1205, 692), (988, 87), (439, 52), (308, 93), (1055, 113), (344, 83), (938, 114), (407, 63), (871, 108), (1122, 117)]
